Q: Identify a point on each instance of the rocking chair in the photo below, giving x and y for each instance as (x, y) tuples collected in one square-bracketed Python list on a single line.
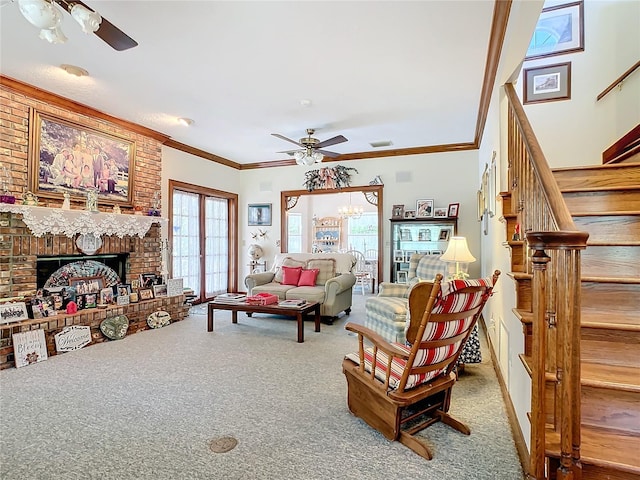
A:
[(401, 389)]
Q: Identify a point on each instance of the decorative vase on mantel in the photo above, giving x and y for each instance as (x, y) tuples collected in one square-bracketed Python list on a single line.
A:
[(92, 200)]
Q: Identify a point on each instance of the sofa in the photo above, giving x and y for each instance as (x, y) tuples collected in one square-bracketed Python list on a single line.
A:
[(331, 286), (386, 313)]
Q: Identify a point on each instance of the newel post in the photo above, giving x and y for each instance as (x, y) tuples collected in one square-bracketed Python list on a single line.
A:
[(566, 269), (539, 260)]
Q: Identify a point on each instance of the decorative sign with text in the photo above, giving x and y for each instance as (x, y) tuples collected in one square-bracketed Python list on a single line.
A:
[(29, 347), (73, 338), (175, 287)]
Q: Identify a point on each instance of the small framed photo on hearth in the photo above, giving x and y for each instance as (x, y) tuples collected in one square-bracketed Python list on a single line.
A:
[(123, 299), (145, 294), (160, 290)]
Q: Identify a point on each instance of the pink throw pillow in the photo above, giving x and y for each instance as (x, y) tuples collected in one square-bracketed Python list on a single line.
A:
[(308, 277), (290, 275)]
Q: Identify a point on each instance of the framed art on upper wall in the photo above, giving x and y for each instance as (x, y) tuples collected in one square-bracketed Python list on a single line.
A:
[(547, 84), (560, 30), (259, 214), (66, 157)]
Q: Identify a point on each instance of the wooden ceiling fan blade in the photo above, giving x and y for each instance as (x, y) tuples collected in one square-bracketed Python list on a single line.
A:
[(331, 141), (116, 38), (327, 153), (287, 139)]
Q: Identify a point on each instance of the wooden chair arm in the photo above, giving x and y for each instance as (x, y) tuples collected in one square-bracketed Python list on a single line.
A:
[(377, 340)]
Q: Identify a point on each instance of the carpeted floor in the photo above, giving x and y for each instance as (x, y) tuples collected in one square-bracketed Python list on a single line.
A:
[(147, 406)]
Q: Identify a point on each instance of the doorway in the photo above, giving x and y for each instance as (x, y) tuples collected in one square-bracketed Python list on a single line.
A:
[(203, 234), (303, 217)]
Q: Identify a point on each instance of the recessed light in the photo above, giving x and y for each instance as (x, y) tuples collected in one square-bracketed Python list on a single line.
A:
[(73, 70), (305, 102), (185, 121), (381, 143)]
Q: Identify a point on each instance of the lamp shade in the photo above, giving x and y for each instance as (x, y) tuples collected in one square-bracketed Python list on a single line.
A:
[(458, 251)]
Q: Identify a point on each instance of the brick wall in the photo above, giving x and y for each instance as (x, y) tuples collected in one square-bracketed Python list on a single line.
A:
[(19, 249)]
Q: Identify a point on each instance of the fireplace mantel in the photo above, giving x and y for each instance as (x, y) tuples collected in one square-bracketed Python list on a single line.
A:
[(56, 221)]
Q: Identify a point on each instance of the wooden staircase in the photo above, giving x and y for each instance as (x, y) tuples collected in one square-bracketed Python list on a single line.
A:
[(605, 202)]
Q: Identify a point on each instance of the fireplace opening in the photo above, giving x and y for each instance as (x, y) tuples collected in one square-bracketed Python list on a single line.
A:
[(46, 266)]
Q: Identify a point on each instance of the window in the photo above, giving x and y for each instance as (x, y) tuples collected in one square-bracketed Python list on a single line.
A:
[(362, 233), (294, 233)]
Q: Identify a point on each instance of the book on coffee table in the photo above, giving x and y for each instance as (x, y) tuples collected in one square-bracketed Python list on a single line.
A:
[(230, 298), (292, 303)]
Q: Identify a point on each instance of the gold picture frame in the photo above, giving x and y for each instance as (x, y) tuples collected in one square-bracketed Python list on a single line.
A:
[(66, 157)]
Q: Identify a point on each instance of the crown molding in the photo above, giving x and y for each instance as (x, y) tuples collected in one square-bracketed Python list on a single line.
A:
[(73, 106)]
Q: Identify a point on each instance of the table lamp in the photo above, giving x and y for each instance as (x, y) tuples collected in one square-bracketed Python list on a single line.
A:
[(458, 257)]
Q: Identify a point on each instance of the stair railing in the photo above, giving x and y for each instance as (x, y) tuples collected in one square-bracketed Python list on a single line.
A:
[(554, 245)]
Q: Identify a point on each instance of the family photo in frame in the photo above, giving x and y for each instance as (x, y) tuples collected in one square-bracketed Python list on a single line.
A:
[(66, 157)]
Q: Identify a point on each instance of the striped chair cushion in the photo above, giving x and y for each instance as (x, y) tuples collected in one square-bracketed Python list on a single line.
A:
[(424, 357), (449, 300)]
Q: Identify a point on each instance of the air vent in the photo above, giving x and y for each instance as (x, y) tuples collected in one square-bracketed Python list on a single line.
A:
[(382, 143)]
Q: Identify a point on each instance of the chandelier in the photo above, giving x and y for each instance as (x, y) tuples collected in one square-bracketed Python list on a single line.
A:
[(307, 157), (44, 15), (350, 211)]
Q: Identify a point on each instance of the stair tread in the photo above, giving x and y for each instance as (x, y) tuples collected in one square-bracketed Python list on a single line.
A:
[(619, 320), (624, 280), (609, 213), (615, 377), (599, 189), (622, 166), (621, 450)]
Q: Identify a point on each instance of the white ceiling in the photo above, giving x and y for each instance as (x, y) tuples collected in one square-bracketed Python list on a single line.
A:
[(406, 71)]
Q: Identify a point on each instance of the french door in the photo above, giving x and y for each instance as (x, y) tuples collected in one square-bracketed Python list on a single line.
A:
[(203, 237)]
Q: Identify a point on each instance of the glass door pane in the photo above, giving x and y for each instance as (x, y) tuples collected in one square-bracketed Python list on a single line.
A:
[(186, 239), (216, 246)]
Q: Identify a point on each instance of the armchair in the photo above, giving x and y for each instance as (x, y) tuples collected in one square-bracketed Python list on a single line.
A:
[(401, 389), (387, 313)]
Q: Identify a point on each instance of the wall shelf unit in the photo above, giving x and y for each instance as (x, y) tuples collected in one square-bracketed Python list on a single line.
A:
[(327, 232), (417, 235)]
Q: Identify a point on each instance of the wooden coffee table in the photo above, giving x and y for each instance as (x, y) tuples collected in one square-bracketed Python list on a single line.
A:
[(299, 312)]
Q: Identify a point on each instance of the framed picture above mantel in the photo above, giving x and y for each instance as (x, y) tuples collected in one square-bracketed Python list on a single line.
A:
[(67, 157)]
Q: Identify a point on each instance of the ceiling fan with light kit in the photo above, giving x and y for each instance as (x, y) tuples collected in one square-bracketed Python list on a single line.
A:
[(312, 148), (45, 15)]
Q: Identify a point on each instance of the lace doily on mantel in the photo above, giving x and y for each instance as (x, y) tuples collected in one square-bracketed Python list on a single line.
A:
[(45, 220)]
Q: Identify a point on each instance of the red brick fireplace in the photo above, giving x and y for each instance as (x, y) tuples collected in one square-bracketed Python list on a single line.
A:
[(19, 249)]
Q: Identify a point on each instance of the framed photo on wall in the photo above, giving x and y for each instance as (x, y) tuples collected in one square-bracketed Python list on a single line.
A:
[(66, 157), (547, 84), (560, 30), (259, 214)]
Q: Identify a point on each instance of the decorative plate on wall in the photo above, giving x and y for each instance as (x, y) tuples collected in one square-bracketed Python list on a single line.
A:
[(159, 319), (115, 327)]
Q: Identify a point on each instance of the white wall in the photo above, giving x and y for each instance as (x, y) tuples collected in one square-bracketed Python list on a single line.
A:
[(577, 131)]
